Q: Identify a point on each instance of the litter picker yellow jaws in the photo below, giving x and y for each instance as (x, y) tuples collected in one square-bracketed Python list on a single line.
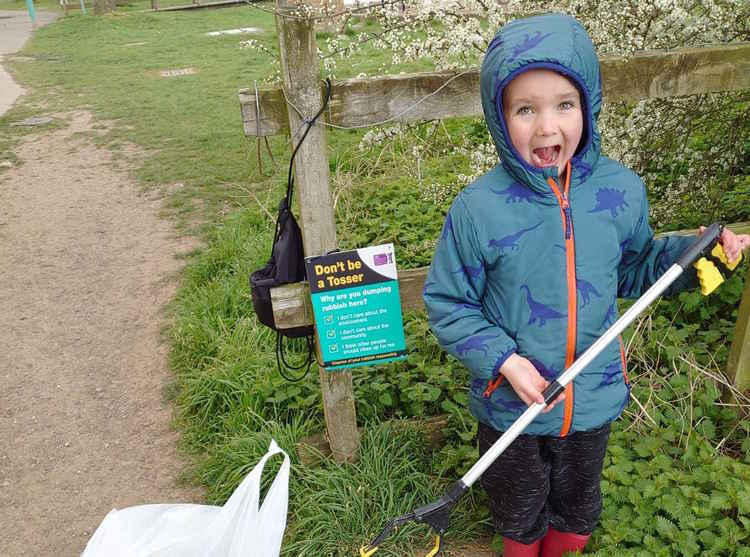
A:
[(708, 258)]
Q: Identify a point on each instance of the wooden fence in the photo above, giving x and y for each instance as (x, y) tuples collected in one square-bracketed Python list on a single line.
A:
[(430, 96)]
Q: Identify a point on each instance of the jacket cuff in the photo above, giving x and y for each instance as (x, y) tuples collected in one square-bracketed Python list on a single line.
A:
[(500, 361)]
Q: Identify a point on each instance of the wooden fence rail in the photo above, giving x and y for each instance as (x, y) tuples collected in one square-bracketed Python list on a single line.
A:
[(291, 302), (292, 308), (436, 95), (430, 96)]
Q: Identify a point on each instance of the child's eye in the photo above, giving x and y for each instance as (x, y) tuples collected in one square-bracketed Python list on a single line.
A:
[(524, 110), (566, 105)]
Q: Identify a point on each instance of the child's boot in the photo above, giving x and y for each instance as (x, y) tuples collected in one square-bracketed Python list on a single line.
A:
[(512, 548), (556, 544)]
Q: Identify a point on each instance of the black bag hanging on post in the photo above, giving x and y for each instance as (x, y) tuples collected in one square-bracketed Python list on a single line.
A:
[(286, 265)]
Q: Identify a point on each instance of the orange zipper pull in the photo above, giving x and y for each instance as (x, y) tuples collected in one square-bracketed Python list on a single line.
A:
[(492, 385)]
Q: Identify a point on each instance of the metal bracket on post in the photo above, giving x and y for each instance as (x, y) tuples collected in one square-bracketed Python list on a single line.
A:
[(258, 133), (257, 126)]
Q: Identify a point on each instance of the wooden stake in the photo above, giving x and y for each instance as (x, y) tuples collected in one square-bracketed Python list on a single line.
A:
[(738, 363), (300, 70)]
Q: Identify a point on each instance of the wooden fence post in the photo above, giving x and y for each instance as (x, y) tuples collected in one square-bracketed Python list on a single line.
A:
[(738, 363), (300, 71)]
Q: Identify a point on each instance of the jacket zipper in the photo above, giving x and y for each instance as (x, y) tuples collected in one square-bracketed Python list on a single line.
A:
[(570, 260), (624, 361), (492, 385), (567, 220)]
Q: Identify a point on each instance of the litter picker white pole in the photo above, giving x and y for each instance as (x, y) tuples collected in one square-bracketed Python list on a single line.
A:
[(437, 513), (569, 374)]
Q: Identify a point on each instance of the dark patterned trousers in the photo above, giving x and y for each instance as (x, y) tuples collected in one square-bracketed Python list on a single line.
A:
[(545, 481)]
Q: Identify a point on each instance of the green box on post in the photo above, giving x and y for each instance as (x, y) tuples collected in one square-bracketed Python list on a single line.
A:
[(357, 307)]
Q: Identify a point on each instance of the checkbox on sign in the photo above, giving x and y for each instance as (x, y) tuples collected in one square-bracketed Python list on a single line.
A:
[(331, 333)]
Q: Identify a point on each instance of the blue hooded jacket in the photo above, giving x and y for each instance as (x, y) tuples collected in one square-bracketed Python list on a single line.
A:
[(522, 266)]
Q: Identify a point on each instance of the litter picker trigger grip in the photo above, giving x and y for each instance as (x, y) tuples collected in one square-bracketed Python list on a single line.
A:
[(714, 268), (708, 275)]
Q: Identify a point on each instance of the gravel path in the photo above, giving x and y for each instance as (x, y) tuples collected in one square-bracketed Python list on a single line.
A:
[(86, 267)]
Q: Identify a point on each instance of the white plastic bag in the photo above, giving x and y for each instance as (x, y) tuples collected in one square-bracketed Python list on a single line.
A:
[(239, 528)]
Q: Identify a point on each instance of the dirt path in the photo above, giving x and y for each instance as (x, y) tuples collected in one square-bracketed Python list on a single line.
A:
[(86, 266)]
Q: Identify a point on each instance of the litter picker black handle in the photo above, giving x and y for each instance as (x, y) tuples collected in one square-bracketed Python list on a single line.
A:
[(702, 246), (437, 513)]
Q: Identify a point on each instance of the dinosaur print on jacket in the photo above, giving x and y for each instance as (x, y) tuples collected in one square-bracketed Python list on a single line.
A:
[(527, 44), (611, 375), (495, 402), (608, 199), (609, 244), (470, 272), (478, 385), (468, 305), (662, 262), (550, 374), (516, 193), (539, 312), (510, 405), (511, 240), (611, 315), (586, 289), (477, 342)]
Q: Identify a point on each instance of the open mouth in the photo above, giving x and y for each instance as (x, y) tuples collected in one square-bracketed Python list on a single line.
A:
[(546, 156)]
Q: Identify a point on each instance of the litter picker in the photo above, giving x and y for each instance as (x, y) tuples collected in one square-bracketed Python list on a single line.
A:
[(705, 254)]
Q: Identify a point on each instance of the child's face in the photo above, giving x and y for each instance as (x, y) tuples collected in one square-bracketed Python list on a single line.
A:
[(544, 117)]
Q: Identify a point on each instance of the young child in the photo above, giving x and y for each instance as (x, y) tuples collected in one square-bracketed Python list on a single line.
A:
[(532, 258)]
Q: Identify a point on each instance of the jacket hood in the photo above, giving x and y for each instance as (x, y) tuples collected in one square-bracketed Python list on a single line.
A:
[(555, 42)]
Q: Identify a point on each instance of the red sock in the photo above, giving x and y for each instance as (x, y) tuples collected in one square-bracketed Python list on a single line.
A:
[(556, 544), (512, 548)]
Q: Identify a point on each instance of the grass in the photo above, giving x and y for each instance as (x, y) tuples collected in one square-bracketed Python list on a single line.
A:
[(231, 400), (189, 125)]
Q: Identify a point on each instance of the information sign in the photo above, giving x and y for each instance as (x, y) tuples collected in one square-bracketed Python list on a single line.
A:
[(357, 306)]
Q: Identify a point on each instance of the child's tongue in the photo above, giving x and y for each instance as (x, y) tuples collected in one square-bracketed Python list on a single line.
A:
[(547, 155)]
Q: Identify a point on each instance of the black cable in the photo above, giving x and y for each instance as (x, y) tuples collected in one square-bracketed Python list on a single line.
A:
[(288, 200), (290, 179), (281, 359)]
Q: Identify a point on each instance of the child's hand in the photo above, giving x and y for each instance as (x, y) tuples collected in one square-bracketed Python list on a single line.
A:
[(526, 381), (733, 244)]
